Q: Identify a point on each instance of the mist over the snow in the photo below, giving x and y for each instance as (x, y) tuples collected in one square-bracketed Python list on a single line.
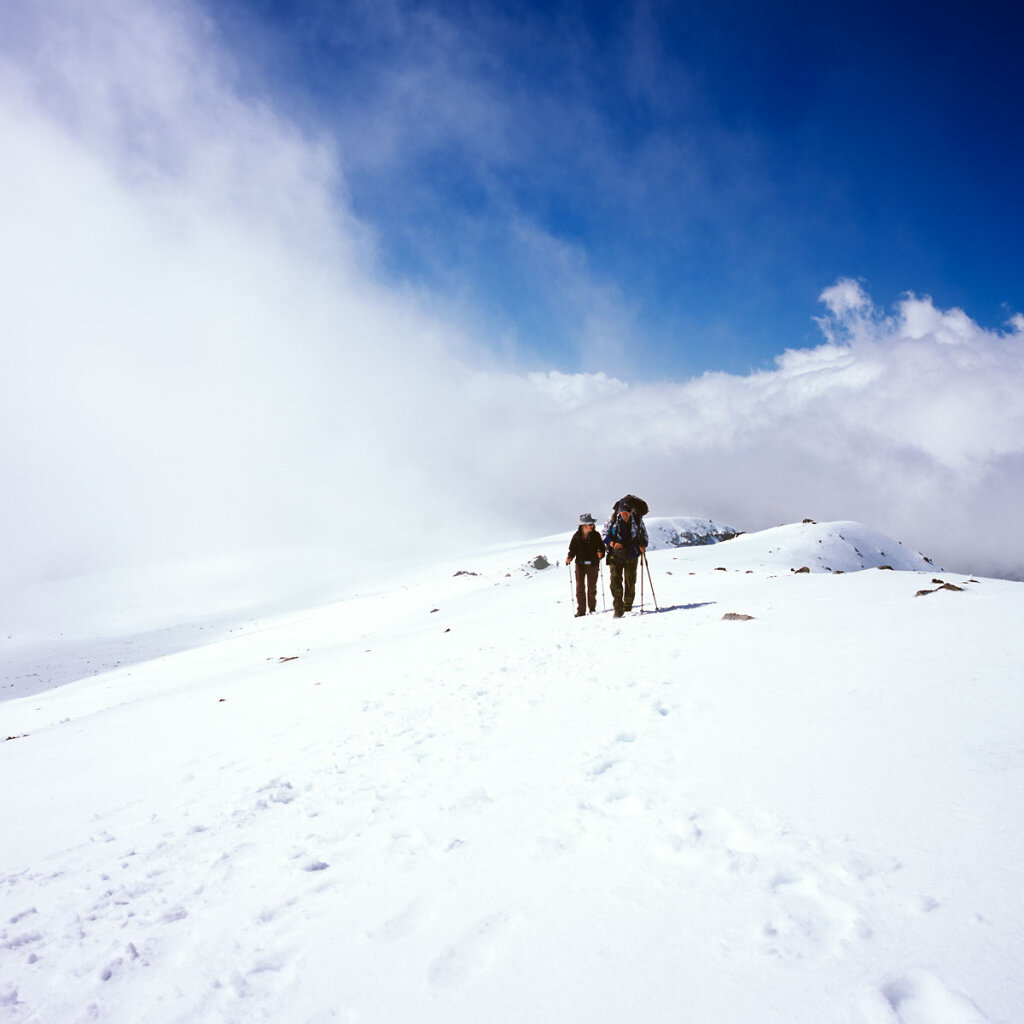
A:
[(200, 355)]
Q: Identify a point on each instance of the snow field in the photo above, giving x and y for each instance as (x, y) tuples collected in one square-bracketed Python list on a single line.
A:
[(493, 811)]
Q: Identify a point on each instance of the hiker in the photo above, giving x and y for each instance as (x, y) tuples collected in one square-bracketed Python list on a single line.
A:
[(587, 548), (626, 539)]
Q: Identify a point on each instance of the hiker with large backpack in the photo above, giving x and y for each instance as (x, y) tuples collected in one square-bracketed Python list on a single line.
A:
[(625, 537), (587, 548)]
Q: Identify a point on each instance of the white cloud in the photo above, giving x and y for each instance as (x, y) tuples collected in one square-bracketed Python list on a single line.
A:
[(845, 297), (575, 389), (919, 433), (913, 422), (192, 356)]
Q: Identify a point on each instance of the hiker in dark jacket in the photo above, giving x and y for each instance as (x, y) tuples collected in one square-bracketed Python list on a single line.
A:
[(626, 539), (587, 548)]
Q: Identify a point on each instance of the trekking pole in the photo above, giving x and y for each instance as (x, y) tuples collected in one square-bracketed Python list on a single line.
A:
[(641, 590), (649, 580), (600, 564), (572, 589)]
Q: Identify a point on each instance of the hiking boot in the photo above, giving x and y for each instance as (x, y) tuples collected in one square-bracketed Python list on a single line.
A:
[(578, 614)]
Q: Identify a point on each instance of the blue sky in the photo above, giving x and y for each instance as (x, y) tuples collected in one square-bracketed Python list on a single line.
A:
[(263, 261), (698, 172)]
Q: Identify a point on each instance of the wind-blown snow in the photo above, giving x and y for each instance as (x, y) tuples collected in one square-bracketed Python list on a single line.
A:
[(451, 801)]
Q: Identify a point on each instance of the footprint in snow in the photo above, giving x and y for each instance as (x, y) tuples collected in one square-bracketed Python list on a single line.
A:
[(920, 998), (471, 954), (599, 767), (415, 915), (811, 905), (808, 921), (277, 791)]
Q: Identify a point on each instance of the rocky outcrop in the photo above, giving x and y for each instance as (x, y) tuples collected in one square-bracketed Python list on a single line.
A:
[(686, 531)]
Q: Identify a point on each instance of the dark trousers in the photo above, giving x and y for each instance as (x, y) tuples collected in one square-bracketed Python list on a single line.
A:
[(622, 577), (586, 586)]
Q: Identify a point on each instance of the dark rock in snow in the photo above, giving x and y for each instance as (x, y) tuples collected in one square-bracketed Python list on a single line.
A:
[(941, 586)]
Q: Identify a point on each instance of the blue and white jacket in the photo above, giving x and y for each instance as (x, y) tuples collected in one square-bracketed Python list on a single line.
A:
[(632, 535)]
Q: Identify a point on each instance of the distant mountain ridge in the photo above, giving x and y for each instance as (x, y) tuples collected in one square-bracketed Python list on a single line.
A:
[(686, 531)]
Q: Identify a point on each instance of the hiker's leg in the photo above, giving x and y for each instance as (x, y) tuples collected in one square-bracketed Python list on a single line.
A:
[(615, 581), (630, 584), (592, 586)]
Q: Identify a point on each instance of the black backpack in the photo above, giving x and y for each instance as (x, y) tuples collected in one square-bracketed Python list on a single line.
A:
[(637, 505)]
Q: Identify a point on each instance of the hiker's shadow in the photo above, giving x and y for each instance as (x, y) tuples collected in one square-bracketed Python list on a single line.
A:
[(679, 607)]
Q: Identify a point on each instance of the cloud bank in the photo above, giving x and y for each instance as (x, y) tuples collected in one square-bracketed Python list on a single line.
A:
[(200, 355)]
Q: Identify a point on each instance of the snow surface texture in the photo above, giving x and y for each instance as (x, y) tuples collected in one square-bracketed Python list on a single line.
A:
[(450, 801)]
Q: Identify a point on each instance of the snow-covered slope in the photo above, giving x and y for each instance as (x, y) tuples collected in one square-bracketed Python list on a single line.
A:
[(451, 801), (820, 547)]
